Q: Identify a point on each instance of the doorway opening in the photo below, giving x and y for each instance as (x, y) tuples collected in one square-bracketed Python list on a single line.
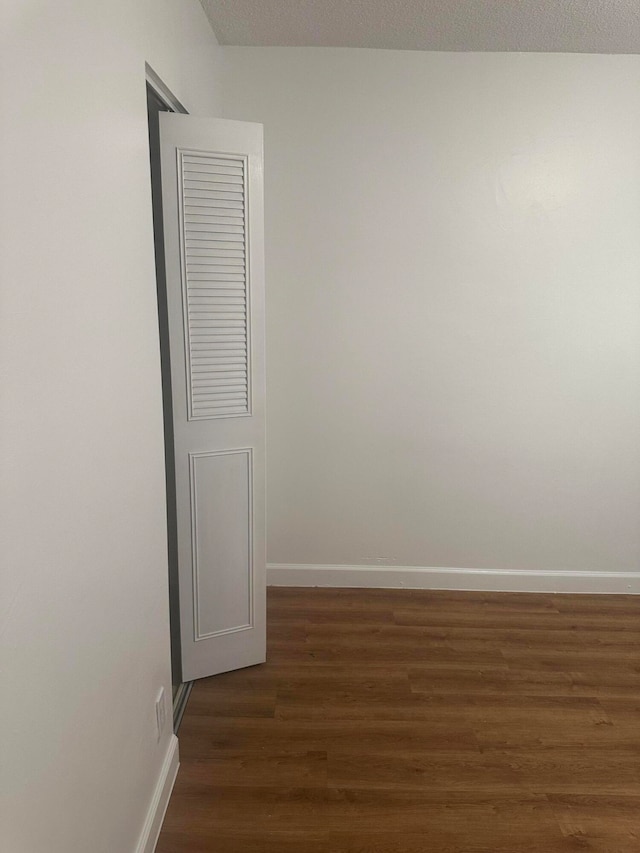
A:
[(207, 191), (160, 99)]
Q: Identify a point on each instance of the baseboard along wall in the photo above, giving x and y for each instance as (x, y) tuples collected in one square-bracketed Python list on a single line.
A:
[(160, 800), (429, 577)]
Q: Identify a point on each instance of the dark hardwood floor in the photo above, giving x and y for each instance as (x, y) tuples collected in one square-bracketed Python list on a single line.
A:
[(401, 721)]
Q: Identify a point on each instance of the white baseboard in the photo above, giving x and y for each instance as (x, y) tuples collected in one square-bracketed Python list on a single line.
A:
[(427, 577), (160, 801)]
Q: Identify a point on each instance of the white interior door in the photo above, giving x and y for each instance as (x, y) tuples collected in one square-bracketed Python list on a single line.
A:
[(212, 197)]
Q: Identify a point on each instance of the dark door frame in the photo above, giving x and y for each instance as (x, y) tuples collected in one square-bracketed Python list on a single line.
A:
[(161, 99)]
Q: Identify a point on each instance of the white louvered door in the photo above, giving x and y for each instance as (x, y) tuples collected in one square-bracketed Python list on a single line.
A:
[(212, 196)]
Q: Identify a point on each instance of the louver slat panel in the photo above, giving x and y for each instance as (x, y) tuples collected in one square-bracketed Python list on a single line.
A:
[(215, 284)]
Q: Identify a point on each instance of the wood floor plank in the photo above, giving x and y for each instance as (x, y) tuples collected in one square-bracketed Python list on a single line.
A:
[(565, 621), (487, 774), (243, 693), (249, 767), (363, 820), (591, 729), (515, 638), (490, 680), (405, 721), (607, 824), (203, 737)]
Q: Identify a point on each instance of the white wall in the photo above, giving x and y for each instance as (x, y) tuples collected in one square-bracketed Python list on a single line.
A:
[(85, 644), (453, 274)]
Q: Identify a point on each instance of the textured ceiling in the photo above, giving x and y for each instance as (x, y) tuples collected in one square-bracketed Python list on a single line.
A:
[(583, 26)]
